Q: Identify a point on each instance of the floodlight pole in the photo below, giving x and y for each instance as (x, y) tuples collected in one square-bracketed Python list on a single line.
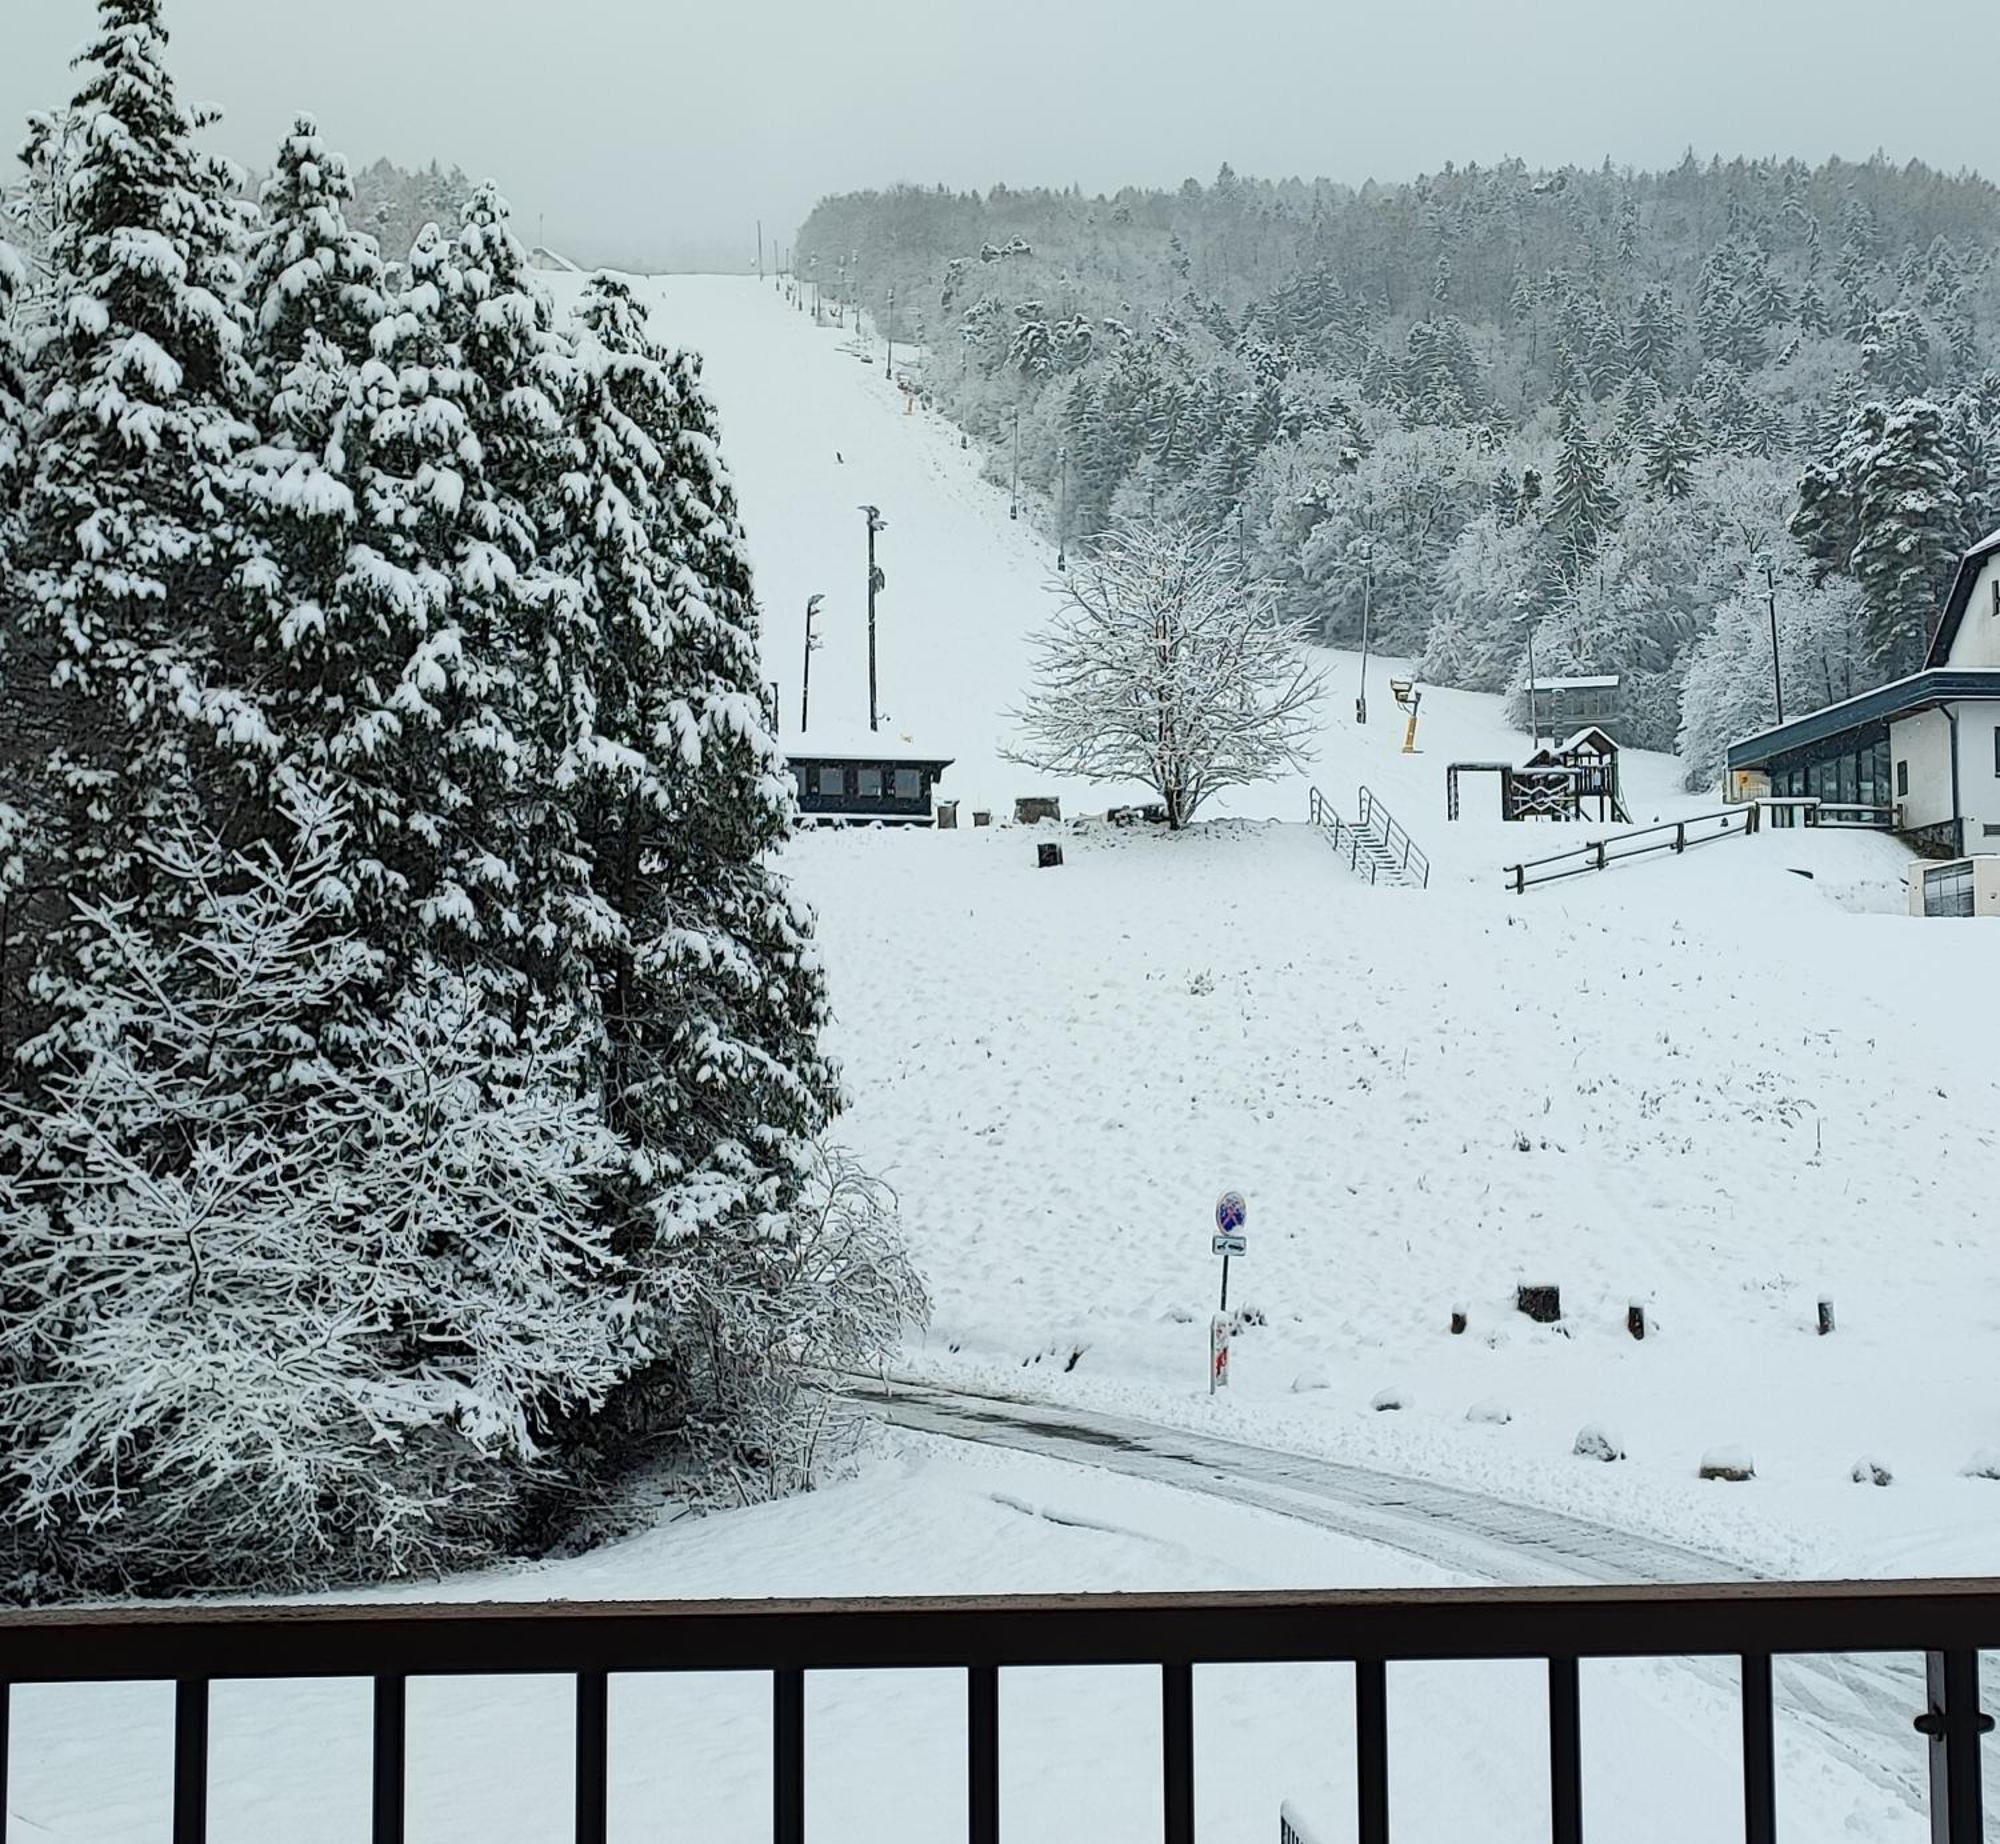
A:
[(1777, 677), (1367, 622), (1014, 483), (876, 581), (889, 329), (1062, 522), (806, 677)]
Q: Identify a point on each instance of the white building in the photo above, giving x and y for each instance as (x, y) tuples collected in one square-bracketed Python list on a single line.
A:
[(1921, 755)]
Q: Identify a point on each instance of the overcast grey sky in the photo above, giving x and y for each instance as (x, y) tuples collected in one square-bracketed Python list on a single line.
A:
[(650, 130)]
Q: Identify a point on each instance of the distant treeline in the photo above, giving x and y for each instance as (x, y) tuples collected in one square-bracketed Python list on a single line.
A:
[(1598, 403)]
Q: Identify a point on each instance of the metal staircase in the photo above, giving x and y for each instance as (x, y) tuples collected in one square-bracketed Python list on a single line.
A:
[(1376, 848)]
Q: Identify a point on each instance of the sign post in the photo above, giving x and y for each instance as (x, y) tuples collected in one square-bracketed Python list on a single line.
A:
[(1231, 1212)]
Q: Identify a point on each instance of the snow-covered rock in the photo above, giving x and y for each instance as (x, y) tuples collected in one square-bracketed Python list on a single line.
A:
[(1731, 1463), (1985, 1464), (1308, 1380), (1391, 1398), (1491, 1413), (1595, 1443)]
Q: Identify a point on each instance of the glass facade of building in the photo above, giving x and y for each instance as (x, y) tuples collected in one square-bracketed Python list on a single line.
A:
[(1852, 769)]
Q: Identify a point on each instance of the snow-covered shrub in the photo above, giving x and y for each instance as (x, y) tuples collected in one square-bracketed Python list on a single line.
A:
[(1490, 1414), (270, 1314), (1985, 1464), (764, 1322), (1869, 1471), (1390, 1398)]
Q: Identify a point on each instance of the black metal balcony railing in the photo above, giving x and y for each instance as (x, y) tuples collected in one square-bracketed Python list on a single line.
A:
[(1949, 1622)]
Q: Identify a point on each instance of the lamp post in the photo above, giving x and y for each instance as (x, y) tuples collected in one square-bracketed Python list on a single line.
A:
[(1367, 623), (1014, 484), (1526, 619), (1771, 593), (812, 647), (889, 328), (1062, 520), (876, 582)]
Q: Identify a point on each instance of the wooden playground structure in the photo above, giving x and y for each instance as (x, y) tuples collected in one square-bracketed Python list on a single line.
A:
[(1556, 783)]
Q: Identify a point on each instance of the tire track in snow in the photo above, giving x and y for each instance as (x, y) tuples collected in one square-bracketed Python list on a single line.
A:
[(1860, 1708)]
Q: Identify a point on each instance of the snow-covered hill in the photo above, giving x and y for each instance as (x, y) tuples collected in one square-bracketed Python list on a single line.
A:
[(1719, 1086)]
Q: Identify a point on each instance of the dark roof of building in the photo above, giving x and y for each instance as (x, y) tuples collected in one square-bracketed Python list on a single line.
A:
[(1960, 598), (1902, 698)]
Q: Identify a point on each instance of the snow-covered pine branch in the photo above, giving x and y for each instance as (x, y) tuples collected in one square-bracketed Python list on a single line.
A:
[(1163, 667), (268, 1317)]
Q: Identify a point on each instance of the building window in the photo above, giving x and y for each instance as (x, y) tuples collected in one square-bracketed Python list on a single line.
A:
[(830, 783), (1948, 889), (909, 784), (868, 784), (1902, 781)]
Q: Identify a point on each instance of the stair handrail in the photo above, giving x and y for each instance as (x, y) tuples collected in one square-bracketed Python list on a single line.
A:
[(1397, 841)]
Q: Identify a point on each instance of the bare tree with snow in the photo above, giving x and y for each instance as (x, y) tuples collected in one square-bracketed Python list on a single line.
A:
[(1162, 666)]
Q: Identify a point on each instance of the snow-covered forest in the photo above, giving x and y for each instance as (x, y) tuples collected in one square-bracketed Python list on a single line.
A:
[(1599, 403), (411, 1096)]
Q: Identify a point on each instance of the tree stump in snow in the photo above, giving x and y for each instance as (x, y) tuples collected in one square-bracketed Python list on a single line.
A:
[(1033, 810), (1541, 1304), (1048, 855), (1635, 1320), (1457, 1321), (1825, 1317)]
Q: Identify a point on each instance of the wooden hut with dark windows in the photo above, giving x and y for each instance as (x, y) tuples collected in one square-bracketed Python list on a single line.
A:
[(870, 778)]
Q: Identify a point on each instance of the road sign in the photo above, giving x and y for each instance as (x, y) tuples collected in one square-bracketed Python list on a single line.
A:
[(1231, 1212), (1229, 1245)]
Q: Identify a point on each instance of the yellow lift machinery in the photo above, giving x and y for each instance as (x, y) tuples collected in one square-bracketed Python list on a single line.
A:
[(1408, 700)]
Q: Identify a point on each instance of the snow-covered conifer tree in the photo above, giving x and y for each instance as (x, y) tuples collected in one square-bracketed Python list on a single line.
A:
[(517, 720), (1584, 507), (315, 296), (132, 560), (1671, 447)]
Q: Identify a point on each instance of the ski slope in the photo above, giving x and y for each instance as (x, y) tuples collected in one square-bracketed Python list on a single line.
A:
[(1718, 1086)]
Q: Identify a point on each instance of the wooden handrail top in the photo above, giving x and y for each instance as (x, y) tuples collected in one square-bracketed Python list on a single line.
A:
[(417, 1640)]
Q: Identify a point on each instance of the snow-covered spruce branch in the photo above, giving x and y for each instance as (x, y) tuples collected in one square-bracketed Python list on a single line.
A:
[(272, 1316), (1162, 667)]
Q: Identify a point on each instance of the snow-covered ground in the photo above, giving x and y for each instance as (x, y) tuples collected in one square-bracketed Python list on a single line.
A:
[(1720, 1086), (1712, 1085)]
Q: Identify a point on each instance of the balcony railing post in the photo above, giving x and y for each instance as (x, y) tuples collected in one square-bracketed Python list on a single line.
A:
[(191, 1761), (1177, 1749), (1565, 1753), (788, 1756), (391, 1695), (1371, 1751), (1954, 1725), (593, 1737), (982, 1765), (1760, 1775)]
